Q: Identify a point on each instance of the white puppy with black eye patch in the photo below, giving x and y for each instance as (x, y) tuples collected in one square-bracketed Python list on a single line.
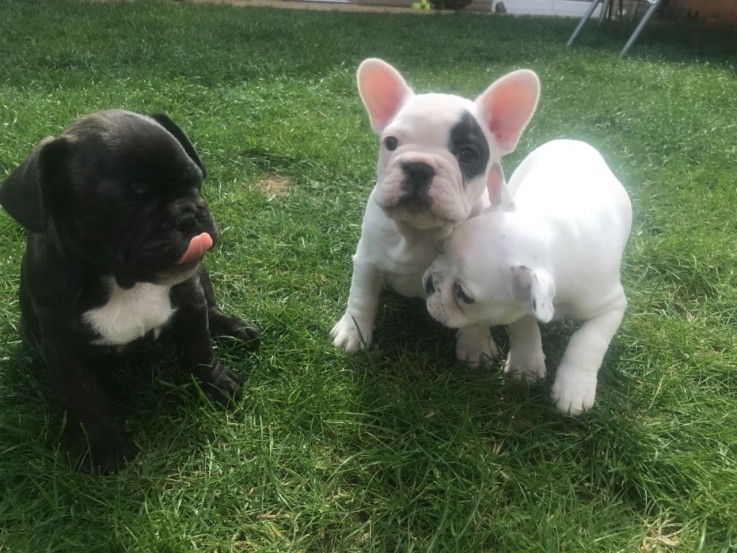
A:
[(437, 153), (555, 253)]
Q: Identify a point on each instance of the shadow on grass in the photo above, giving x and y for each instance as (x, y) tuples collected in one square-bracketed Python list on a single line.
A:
[(674, 41), (142, 386), (444, 446)]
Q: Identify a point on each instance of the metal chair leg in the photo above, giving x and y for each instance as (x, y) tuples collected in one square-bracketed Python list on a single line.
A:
[(648, 14), (584, 19)]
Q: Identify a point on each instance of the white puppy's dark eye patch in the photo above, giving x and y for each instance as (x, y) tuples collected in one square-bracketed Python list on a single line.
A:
[(468, 144), (391, 143)]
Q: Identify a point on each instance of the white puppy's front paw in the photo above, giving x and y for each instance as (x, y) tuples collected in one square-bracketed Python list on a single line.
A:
[(525, 366), (574, 392), (346, 334), (475, 346)]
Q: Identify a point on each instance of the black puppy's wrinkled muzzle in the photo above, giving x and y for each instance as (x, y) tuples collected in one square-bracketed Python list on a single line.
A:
[(189, 216), (161, 249)]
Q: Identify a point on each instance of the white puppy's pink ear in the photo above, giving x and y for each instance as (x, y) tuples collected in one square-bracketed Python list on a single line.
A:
[(507, 106), (496, 185), (383, 91), (535, 289)]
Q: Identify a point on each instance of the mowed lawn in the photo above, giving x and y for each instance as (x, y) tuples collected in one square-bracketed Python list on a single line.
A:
[(399, 448)]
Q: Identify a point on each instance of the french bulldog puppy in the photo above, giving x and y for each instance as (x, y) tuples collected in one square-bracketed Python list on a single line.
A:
[(117, 228), (555, 253), (437, 152)]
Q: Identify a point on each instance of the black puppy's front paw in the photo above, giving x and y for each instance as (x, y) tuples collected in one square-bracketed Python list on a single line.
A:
[(248, 333), (105, 451), (222, 385), (243, 331)]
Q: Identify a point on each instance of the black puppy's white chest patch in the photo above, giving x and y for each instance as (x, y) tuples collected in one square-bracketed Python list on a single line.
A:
[(130, 314)]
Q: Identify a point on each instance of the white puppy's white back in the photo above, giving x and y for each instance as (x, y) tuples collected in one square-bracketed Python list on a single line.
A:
[(555, 254), (567, 187)]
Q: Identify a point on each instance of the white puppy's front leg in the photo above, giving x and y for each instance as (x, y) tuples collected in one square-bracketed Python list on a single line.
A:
[(355, 328), (526, 360), (574, 390), (474, 345)]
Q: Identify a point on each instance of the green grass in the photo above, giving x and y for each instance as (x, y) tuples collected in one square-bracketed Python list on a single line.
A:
[(399, 448)]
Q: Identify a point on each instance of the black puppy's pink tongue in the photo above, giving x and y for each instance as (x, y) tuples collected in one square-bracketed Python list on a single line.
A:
[(196, 249)]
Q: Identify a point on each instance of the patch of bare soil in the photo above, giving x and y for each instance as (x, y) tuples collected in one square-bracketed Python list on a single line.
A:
[(273, 184)]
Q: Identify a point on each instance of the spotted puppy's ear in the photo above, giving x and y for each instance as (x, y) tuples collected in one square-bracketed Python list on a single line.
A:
[(166, 122), (28, 192), (507, 106), (383, 91), (536, 290)]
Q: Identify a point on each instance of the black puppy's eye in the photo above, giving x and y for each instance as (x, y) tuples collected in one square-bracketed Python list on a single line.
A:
[(140, 188), (460, 294), (391, 143), (468, 155)]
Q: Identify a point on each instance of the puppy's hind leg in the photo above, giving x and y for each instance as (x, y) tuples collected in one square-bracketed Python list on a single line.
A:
[(574, 390), (227, 326), (96, 440)]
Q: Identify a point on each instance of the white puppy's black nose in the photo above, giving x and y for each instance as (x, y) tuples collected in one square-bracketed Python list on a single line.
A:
[(419, 174), (429, 285)]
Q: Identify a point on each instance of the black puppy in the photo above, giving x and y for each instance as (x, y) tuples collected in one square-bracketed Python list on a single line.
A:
[(117, 230)]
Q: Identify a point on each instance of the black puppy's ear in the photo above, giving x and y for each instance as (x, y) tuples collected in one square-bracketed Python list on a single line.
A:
[(23, 193), (178, 133)]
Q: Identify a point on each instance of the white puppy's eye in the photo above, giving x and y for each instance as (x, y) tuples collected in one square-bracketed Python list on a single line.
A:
[(468, 155), (391, 143), (460, 294)]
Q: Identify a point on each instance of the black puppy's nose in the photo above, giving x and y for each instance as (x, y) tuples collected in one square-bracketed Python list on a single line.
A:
[(186, 220), (429, 286), (184, 215), (418, 173)]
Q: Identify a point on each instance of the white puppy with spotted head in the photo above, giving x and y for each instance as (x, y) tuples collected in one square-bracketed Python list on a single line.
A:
[(437, 152), (555, 253)]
